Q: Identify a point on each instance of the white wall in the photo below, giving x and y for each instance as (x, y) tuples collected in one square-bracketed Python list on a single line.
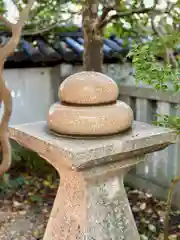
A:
[(32, 93)]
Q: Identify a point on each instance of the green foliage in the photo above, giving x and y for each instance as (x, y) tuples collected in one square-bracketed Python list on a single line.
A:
[(36, 199), (30, 161), (12, 184), (148, 69), (160, 75), (26, 161), (164, 74), (52, 36), (134, 25), (44, 13), (169, 121), (2, 7)]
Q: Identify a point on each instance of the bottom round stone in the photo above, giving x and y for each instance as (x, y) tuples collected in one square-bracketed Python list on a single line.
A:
[(91, 120)]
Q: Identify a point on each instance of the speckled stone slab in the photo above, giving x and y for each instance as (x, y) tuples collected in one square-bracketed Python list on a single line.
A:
[(91, 203)]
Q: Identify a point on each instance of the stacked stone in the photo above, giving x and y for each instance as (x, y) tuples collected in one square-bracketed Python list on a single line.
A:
[(89, 107)]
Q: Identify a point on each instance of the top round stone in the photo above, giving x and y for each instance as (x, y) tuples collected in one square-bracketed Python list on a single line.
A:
[(88, 88)]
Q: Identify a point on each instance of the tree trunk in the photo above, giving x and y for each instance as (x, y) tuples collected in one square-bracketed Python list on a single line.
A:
[(5, 93), (93, 38)]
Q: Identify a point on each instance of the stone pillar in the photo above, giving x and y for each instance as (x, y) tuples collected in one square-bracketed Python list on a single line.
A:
[(91, 202)]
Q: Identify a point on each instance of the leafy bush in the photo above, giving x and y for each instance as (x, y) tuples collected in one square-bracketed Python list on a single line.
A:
[(26, 160), (161, 75)]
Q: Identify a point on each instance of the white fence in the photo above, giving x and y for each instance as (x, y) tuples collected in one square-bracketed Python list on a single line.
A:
[(34, 90), (162, 166)]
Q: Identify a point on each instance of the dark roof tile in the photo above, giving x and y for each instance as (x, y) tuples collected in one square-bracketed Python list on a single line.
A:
[(67, 47)]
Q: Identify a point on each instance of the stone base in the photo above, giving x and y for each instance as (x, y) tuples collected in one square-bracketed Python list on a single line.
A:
[(92, 205)]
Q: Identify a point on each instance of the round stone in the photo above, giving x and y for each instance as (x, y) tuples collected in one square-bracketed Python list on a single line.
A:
[(90, 121), (88, 88)]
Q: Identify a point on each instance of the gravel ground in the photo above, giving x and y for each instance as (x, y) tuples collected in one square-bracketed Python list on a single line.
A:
[(25, 208)]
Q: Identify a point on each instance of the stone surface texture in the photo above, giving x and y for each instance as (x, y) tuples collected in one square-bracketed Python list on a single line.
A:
[(91, 203), (88, 88), (89, 107), (104, 120)]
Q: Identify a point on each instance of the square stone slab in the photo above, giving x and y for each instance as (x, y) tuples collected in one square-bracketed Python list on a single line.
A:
[(91, 202)]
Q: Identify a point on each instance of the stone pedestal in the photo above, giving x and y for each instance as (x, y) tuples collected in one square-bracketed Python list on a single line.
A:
[(91, 202)]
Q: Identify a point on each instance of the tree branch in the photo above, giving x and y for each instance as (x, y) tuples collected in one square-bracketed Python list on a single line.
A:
[(168, 207), (16, 29), (104, 14), (43, 30), (23, 16), (125, 14), (142, 10), (169, 56), (39, 31), (155, 29), (49, 27), (5, 93), (6, 22)]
